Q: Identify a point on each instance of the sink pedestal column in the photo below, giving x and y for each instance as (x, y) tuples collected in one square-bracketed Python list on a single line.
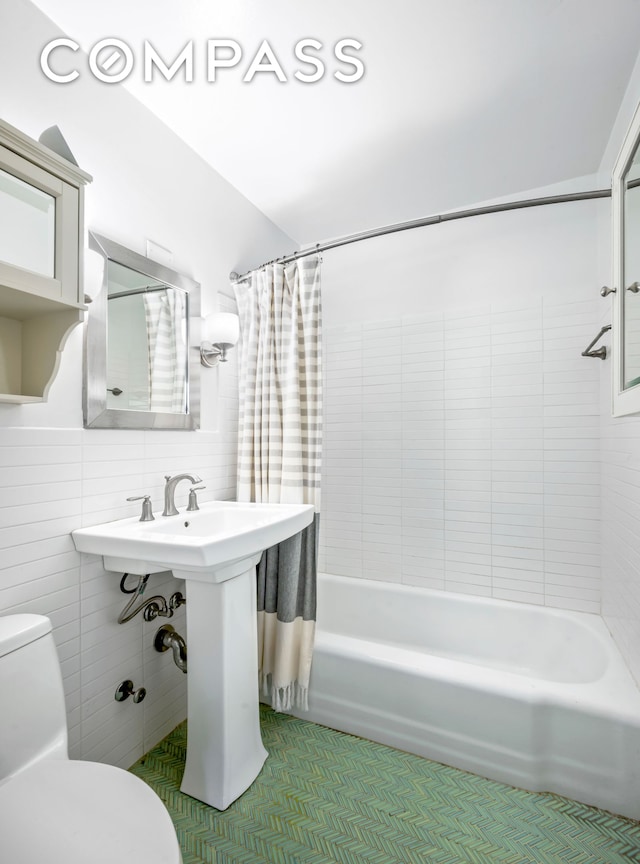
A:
[(224, 748)]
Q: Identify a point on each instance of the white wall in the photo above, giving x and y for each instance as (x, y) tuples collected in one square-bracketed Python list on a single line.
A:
[(461, 444), (620, 451), (55, 476)]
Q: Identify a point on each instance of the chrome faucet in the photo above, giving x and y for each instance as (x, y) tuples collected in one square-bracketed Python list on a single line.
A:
[(170, 508)]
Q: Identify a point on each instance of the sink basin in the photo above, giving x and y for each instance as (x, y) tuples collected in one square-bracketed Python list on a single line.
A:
[(217, 535)]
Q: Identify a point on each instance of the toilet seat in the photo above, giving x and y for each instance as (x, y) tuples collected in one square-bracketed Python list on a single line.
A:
[(72, 812)]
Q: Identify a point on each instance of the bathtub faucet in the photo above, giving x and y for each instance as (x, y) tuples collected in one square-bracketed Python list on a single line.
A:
[(170, 508)]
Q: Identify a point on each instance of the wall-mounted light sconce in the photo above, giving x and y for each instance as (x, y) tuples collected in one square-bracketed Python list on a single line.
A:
[(220, 331)]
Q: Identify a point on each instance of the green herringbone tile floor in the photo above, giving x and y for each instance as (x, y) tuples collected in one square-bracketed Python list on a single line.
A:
[(326, 797)]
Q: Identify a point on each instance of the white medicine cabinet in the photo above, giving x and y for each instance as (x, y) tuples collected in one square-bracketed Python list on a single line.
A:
[(625, 194), (41, 243)]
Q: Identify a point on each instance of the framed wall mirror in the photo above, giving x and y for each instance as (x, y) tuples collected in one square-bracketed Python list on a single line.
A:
[(142, 368), (626, 274)]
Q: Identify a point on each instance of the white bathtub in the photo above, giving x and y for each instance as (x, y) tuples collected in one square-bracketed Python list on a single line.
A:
[(535, 697)]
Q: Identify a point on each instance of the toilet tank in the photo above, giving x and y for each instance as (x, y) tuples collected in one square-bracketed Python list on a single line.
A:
[(33, 723)]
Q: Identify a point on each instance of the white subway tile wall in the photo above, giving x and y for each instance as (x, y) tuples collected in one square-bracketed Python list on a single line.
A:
[(620, 520), (461, 452), (54, 480)]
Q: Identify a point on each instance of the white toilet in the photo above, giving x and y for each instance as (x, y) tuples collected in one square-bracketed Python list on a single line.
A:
[(52, 808)]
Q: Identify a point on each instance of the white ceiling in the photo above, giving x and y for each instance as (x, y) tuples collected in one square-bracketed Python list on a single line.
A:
[(461, 101)]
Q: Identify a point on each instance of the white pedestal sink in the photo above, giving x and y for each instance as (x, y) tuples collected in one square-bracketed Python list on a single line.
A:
[(224, 749), (215, 550)]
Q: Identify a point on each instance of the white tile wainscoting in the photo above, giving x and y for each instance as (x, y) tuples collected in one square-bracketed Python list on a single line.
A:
[(461, 452), (620, 520), (54, 480)]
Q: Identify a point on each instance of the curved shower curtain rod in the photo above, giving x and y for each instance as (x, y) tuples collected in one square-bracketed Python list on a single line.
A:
[(428, 220)]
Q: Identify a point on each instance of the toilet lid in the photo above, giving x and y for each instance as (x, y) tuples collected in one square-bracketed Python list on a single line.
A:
[(73, 812)]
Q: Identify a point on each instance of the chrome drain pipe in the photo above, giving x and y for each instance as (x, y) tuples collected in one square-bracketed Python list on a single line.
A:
[(166, 638)]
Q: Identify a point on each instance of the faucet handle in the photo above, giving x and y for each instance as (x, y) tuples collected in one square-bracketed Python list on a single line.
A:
[(147, 512), (193, 498)]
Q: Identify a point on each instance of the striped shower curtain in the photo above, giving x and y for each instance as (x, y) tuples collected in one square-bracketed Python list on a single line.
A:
[(279, 453), (165, 314)]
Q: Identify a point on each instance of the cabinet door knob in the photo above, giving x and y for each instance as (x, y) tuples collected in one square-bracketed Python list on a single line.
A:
[(605, 291), (634, 287)]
